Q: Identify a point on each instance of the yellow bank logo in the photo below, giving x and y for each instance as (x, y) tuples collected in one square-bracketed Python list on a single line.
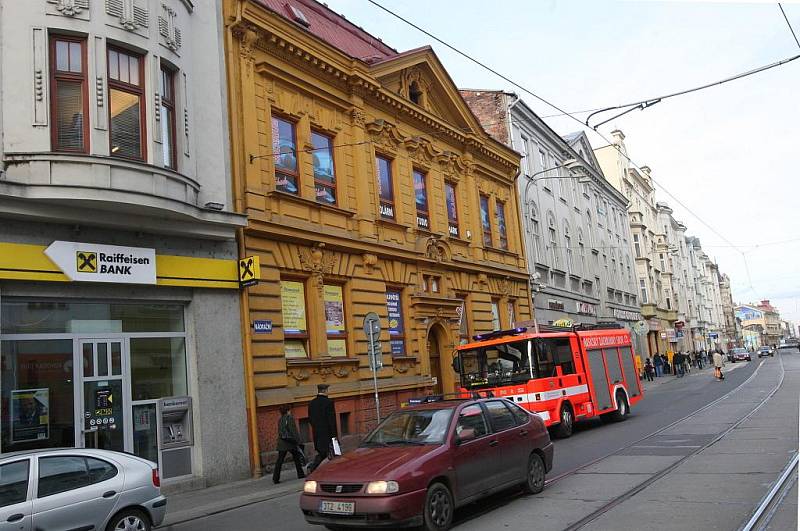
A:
[(87, 261)]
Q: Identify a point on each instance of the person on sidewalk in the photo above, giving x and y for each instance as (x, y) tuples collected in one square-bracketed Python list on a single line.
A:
[(678, 363), (658, 363), (322, 415), (718, 366), (288, 442), (648, 370)]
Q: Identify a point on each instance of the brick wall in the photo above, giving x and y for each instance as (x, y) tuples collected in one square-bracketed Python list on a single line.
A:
[(490, 109)]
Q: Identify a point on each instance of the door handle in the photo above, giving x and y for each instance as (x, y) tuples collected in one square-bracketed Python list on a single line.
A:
[(523, 433), (109, 494), (15, 517), (493, 444)]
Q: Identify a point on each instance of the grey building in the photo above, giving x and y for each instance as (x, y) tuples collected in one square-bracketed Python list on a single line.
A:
[(119, 294), (577, 237)]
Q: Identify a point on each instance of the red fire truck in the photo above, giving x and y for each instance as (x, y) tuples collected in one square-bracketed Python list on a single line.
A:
[(561, 374)]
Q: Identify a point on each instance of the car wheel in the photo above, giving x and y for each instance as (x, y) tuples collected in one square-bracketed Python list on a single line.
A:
[(438, 512), (534, 475), (129, 520), (622, 408), (566, 424)]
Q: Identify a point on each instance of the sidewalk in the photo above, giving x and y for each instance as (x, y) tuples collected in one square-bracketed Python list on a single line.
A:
[(707, 372)]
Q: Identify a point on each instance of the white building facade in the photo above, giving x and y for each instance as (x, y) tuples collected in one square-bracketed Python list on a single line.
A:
[(577, 237), (119, 292)]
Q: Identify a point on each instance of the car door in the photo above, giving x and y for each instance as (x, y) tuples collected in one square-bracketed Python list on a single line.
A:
[(510, 461), (473, 459), (75, 492), (15, 503)]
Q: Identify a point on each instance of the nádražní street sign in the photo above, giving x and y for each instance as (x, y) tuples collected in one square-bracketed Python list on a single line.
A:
[(372, 329)]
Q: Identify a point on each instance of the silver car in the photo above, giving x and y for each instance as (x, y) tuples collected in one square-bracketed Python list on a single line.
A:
[(71, 488)]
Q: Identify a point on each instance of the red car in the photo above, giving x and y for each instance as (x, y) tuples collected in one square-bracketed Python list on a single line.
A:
[(422, 462)]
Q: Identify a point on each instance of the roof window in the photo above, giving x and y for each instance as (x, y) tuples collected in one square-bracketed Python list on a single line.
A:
[(298, 16)]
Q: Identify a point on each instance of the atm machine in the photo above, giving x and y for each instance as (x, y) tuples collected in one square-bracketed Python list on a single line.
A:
[(176, 436)]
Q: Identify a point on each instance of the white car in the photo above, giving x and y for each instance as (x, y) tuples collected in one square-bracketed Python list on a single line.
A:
[(72, 488)]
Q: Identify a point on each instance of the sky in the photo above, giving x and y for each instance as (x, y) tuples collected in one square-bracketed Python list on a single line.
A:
[(726, 154)]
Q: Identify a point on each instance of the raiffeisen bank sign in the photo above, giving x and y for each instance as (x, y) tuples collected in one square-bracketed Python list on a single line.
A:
[(90, 262)]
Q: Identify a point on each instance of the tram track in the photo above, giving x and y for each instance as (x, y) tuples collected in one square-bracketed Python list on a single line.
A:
[(772, 500), (594, 515)]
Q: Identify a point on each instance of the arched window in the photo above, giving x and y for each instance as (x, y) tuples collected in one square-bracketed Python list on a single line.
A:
[(553, 241), (567, 246), (415, 93), (589, 231), (582, 252), (536, 234)]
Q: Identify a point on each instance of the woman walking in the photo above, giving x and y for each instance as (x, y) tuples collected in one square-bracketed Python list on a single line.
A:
[(288, 441), (648, 370)]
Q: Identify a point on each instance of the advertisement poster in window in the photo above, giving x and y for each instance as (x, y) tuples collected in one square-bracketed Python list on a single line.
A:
[(293, 305), (495, 316), (334, 309), (337, 348), (394, 309), (30, 414)]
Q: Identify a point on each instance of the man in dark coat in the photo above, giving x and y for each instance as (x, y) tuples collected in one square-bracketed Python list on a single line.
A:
[(322, 416)]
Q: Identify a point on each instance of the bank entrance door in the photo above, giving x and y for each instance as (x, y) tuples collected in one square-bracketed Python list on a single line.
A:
[(102, 408)]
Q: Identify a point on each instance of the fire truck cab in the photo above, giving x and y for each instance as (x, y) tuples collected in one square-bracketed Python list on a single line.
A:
[(561, 374)]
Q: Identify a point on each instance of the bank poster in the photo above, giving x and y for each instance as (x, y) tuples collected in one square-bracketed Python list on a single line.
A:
[(30, 415), (293, 302), (334, 309), (395, 311), (337, 348)]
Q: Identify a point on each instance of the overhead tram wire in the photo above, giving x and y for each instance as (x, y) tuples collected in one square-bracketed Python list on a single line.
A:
[(789, 24), (570, 115)]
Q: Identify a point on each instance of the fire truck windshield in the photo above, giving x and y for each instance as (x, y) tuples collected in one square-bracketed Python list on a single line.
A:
[(496, 365)]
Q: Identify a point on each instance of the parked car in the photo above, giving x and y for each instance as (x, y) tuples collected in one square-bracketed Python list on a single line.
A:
[(763, 352), (740, 354), (423, 462), (72, 488)]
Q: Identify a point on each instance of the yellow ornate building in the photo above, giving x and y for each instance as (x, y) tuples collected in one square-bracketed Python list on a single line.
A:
[(369, 187)]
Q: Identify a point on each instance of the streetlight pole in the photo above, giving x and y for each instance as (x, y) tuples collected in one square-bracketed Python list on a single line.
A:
[(570, 164)]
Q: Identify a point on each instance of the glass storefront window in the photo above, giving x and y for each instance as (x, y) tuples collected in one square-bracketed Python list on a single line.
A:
[(36, 395), (54, 317), (158, 367)]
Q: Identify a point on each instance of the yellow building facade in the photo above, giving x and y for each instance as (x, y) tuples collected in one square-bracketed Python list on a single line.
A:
[(369, 187)]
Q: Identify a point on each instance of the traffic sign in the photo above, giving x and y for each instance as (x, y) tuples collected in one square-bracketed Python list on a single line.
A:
[(372, 328)]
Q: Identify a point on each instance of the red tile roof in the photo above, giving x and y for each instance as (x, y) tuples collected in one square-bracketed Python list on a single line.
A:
[(333, 29)]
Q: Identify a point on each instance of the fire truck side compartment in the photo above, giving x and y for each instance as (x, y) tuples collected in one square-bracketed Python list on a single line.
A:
[(629, 368), (599, 382)]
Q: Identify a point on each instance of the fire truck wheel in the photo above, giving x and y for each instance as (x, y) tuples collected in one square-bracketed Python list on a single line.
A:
[(439, 507), (622, 408), (534, 476), (564, 427)]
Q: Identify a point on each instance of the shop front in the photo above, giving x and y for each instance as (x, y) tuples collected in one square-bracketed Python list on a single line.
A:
[(117, 361), (632, 321)]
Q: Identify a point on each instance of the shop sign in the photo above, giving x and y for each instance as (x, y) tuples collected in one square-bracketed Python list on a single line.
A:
[(90, 262), (713, 335), (30, 415), (679, 333), (654, 324), (249, 271), (563, 323), (625, 315), (639, 327), (262, 326), (395, 311), (679, 325), (555, 304), (584, 308)]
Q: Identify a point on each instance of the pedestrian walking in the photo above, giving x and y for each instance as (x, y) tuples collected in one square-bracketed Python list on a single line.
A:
[(288, 442), (665, 362), (322, 416), (678, 362), (658, 364), (648, 370), (718, 366), (699, 357)]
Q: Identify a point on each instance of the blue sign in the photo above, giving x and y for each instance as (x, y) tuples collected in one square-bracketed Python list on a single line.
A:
[(263, 326), (713, 335), (678, 333), (395, 310)]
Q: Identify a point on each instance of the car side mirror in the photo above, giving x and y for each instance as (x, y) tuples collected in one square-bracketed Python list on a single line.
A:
[(457, 364), (466, 435)]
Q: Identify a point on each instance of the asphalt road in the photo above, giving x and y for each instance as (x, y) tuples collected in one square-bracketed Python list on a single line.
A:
[(663, 405)]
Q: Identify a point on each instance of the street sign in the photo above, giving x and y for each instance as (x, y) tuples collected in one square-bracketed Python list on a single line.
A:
[(262, 326), (249, 271), (91, 262), (372, 328)]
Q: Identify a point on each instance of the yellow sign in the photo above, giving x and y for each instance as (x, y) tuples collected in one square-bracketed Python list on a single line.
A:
[(565, 323), (249, 271), (295, 349), (337, 348), (87, 262), (293, 303)]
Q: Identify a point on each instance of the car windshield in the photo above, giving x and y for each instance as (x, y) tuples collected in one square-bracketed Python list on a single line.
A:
[(739, 351), (411, 427), (503, 364)]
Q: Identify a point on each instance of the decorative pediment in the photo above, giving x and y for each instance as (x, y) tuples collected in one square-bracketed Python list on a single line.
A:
[(385, 134), (418, 77)]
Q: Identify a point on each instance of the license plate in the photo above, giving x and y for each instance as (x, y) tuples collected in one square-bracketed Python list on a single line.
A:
[(337, 507)]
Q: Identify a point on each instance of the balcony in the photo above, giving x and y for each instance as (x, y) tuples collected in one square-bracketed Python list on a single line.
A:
[(649, 310), (106, 191)]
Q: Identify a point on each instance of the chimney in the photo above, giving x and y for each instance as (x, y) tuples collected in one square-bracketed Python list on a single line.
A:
[(618, 135)]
